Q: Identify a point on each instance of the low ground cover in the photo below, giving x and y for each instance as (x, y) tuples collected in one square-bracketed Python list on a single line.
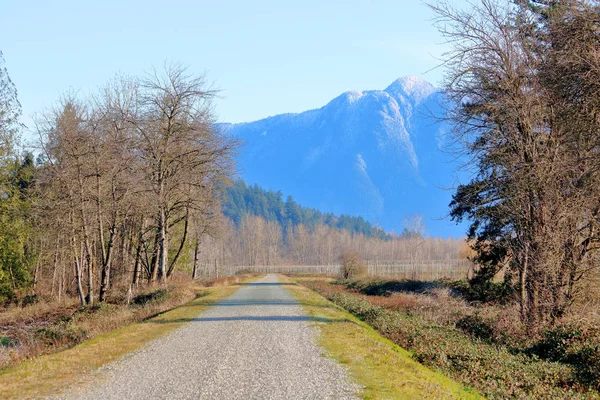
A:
[(384, 370), (481, 345), (47, 327)]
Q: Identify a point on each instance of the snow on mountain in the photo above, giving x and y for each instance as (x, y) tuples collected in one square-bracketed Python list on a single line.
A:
[(374, 153), (411, 87)]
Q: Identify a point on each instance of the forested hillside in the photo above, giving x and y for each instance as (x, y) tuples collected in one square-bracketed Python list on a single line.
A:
[(242, 199)]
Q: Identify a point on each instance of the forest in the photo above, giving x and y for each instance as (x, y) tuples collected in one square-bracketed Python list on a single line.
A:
[(120, 183), (242, 199)]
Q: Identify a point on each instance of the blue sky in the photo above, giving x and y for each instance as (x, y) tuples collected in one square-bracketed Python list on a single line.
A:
[(267, 57)]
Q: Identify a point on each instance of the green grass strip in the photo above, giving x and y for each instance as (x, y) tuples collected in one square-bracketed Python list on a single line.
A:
[(383, 369)]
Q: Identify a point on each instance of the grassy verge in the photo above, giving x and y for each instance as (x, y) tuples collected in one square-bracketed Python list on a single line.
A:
[(46, 326), (463, 347), (383, 369), (48, 374)]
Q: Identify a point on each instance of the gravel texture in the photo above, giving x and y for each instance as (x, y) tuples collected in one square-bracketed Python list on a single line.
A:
[(255, 344)]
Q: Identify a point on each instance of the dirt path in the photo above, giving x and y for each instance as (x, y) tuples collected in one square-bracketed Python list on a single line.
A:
[(256, 344)]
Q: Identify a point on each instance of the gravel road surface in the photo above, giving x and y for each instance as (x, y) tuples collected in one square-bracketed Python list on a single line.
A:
[(255, 344)]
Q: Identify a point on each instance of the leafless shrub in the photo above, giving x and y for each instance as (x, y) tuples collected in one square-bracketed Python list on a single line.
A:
[(352, 265)]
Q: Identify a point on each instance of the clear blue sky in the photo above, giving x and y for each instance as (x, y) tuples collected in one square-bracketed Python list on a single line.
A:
[(268, 57)]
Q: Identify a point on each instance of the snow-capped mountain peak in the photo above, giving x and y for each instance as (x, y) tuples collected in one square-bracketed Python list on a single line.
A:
[(372, 153), (411, 87)]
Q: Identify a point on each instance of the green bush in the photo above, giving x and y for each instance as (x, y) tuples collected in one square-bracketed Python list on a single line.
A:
[(484, 291), (60, 334), (29, 300), (377, 287), (476, 327), (7, 341), (572, 345)]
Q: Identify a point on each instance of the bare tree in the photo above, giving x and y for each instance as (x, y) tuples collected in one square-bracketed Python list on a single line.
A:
[(510, 116), (127, 177), (179, 150)]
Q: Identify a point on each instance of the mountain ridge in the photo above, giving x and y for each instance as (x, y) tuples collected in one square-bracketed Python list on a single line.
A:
[(373, 153)]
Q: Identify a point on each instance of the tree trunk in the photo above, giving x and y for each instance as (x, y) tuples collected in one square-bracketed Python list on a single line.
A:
[(163, 245), (100, 233), (54, 269), (196, 254), (77, 262), (136, 266), (182, 244), (156, 252), (107, 263), (523, 281), (78, 274), (86, 242), (61, 282)]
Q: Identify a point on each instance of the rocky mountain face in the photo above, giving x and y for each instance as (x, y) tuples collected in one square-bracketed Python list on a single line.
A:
[(380, 154)]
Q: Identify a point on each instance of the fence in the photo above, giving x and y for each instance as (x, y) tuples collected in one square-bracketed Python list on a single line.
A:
[(292, 269), (422, 270)]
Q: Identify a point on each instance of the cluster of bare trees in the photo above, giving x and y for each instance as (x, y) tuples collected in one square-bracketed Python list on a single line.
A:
[(524, 79), (260, 242), (127, 183)]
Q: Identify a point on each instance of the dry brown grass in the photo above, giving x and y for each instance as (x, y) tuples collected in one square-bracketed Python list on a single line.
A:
[(483, 345), (441, 305), (47, 327), (223, 281), (48, 375)]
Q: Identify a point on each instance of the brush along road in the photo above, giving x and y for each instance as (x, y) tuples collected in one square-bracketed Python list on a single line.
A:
[(256, 344)]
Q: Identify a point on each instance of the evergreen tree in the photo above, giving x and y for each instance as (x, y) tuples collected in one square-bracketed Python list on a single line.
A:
[(241, 200), (15, 179)]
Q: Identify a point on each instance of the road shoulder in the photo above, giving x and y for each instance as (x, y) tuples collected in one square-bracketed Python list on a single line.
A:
[(383, 369), (50, 374)]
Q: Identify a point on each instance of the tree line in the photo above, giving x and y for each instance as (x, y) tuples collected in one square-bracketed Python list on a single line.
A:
[(241, 200), (523, 80), (123, 181), (257, 241)]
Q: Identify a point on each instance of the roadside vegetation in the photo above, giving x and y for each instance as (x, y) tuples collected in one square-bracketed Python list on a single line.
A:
[(111, 331), (522, 83), (381, 368), (481, 344), (45, 327)]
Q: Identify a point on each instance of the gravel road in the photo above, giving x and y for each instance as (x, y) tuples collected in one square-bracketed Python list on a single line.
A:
[(255, 344)]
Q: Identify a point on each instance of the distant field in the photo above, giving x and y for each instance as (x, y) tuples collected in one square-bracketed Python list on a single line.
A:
[(414, 270)]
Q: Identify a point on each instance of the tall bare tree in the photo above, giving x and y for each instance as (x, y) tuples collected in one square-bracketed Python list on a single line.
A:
[(513, 116), (179, 149)]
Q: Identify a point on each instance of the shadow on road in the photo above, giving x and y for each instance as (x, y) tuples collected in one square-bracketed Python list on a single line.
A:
[(251, 302), (257, 302), (275, 318), (266, 284)]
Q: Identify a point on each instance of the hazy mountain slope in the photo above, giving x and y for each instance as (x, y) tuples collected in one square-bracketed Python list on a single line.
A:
[(373, 153)]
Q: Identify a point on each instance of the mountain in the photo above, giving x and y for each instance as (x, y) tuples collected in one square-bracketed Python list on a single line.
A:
[(378, 154)]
